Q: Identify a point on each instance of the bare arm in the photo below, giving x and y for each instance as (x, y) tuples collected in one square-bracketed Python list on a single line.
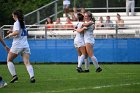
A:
[(81, 29), (3, 43), (14, 33)]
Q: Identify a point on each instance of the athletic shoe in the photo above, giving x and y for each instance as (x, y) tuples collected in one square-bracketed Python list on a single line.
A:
[(98, 69), (79, 69), (2, 84), (14, 79), (32, 80), (86, 71)]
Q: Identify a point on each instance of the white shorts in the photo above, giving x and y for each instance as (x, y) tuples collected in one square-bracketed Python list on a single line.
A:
[(20, 50), (78, 44), (89, 40)]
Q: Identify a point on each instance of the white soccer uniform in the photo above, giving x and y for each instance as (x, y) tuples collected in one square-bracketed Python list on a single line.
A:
[(20, 43), (79, 38), (88, 35)]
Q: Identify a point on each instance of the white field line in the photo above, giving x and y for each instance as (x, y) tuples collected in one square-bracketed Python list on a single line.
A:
[(96, 87), (62, 79), (127, 73), (73, 78)]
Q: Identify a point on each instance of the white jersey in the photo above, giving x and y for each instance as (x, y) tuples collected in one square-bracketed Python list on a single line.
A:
[(20, 41), (88, 35), (79, 38)]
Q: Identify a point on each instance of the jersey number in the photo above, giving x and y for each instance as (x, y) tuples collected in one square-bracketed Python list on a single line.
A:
[(24, 32)]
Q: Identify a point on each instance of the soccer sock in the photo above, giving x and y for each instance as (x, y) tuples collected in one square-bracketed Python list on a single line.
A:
[(78, 60), (95, 61), (11, 68), (86, 64), (82, 57), (30, 70)]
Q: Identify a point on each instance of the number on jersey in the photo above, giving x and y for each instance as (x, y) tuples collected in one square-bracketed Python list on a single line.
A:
[(24, 32)]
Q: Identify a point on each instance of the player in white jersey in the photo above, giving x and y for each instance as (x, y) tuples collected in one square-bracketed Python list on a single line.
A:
[(89, 40), (79, 42), (19, 46)]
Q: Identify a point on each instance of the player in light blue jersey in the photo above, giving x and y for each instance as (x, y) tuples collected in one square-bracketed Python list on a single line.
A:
[(19, 46), (89, 40)]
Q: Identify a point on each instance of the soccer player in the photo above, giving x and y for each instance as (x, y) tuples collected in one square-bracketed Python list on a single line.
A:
[(19, 46), (89, 40), (79, 42), (2, 82)]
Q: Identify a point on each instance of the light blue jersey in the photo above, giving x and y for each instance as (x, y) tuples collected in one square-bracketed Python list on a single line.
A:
[(88, 35)]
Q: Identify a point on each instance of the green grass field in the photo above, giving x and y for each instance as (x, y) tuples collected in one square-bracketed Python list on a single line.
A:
[(63, 78)]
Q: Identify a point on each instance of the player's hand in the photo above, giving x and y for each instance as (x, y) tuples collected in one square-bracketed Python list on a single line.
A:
[(85, 28), (9, 31), (9, 35)]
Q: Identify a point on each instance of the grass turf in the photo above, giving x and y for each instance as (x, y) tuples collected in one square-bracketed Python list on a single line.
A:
[(63, 78)]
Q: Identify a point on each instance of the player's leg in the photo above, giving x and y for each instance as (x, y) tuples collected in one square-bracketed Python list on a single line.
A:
[(82, 57), (78, 68), (11, 56), (79, 54), (86, 64), (26, 56), (90, 52), (2, 82)]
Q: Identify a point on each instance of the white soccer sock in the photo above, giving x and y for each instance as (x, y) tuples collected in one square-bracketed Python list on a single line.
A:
[(82, 57), (95, 61), (78, 60), (11, 68), (30, 70), (86, 64)]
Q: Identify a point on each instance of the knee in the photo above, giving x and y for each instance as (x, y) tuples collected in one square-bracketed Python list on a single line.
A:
[(9, 59), (26, 62)]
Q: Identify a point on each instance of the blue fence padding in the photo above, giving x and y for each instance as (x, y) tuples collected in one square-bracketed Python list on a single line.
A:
[(56, 50)]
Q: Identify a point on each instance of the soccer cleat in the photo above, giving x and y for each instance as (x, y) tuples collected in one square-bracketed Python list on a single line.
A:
[(86, 71), (2, 84), (32, 80), (98, 69), (79, 69), (15, 78)]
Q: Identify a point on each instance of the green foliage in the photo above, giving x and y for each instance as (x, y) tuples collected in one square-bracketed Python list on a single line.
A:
[(7, 6)]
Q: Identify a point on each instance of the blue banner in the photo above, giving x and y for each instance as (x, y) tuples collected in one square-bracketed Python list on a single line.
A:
[(62, 50)]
